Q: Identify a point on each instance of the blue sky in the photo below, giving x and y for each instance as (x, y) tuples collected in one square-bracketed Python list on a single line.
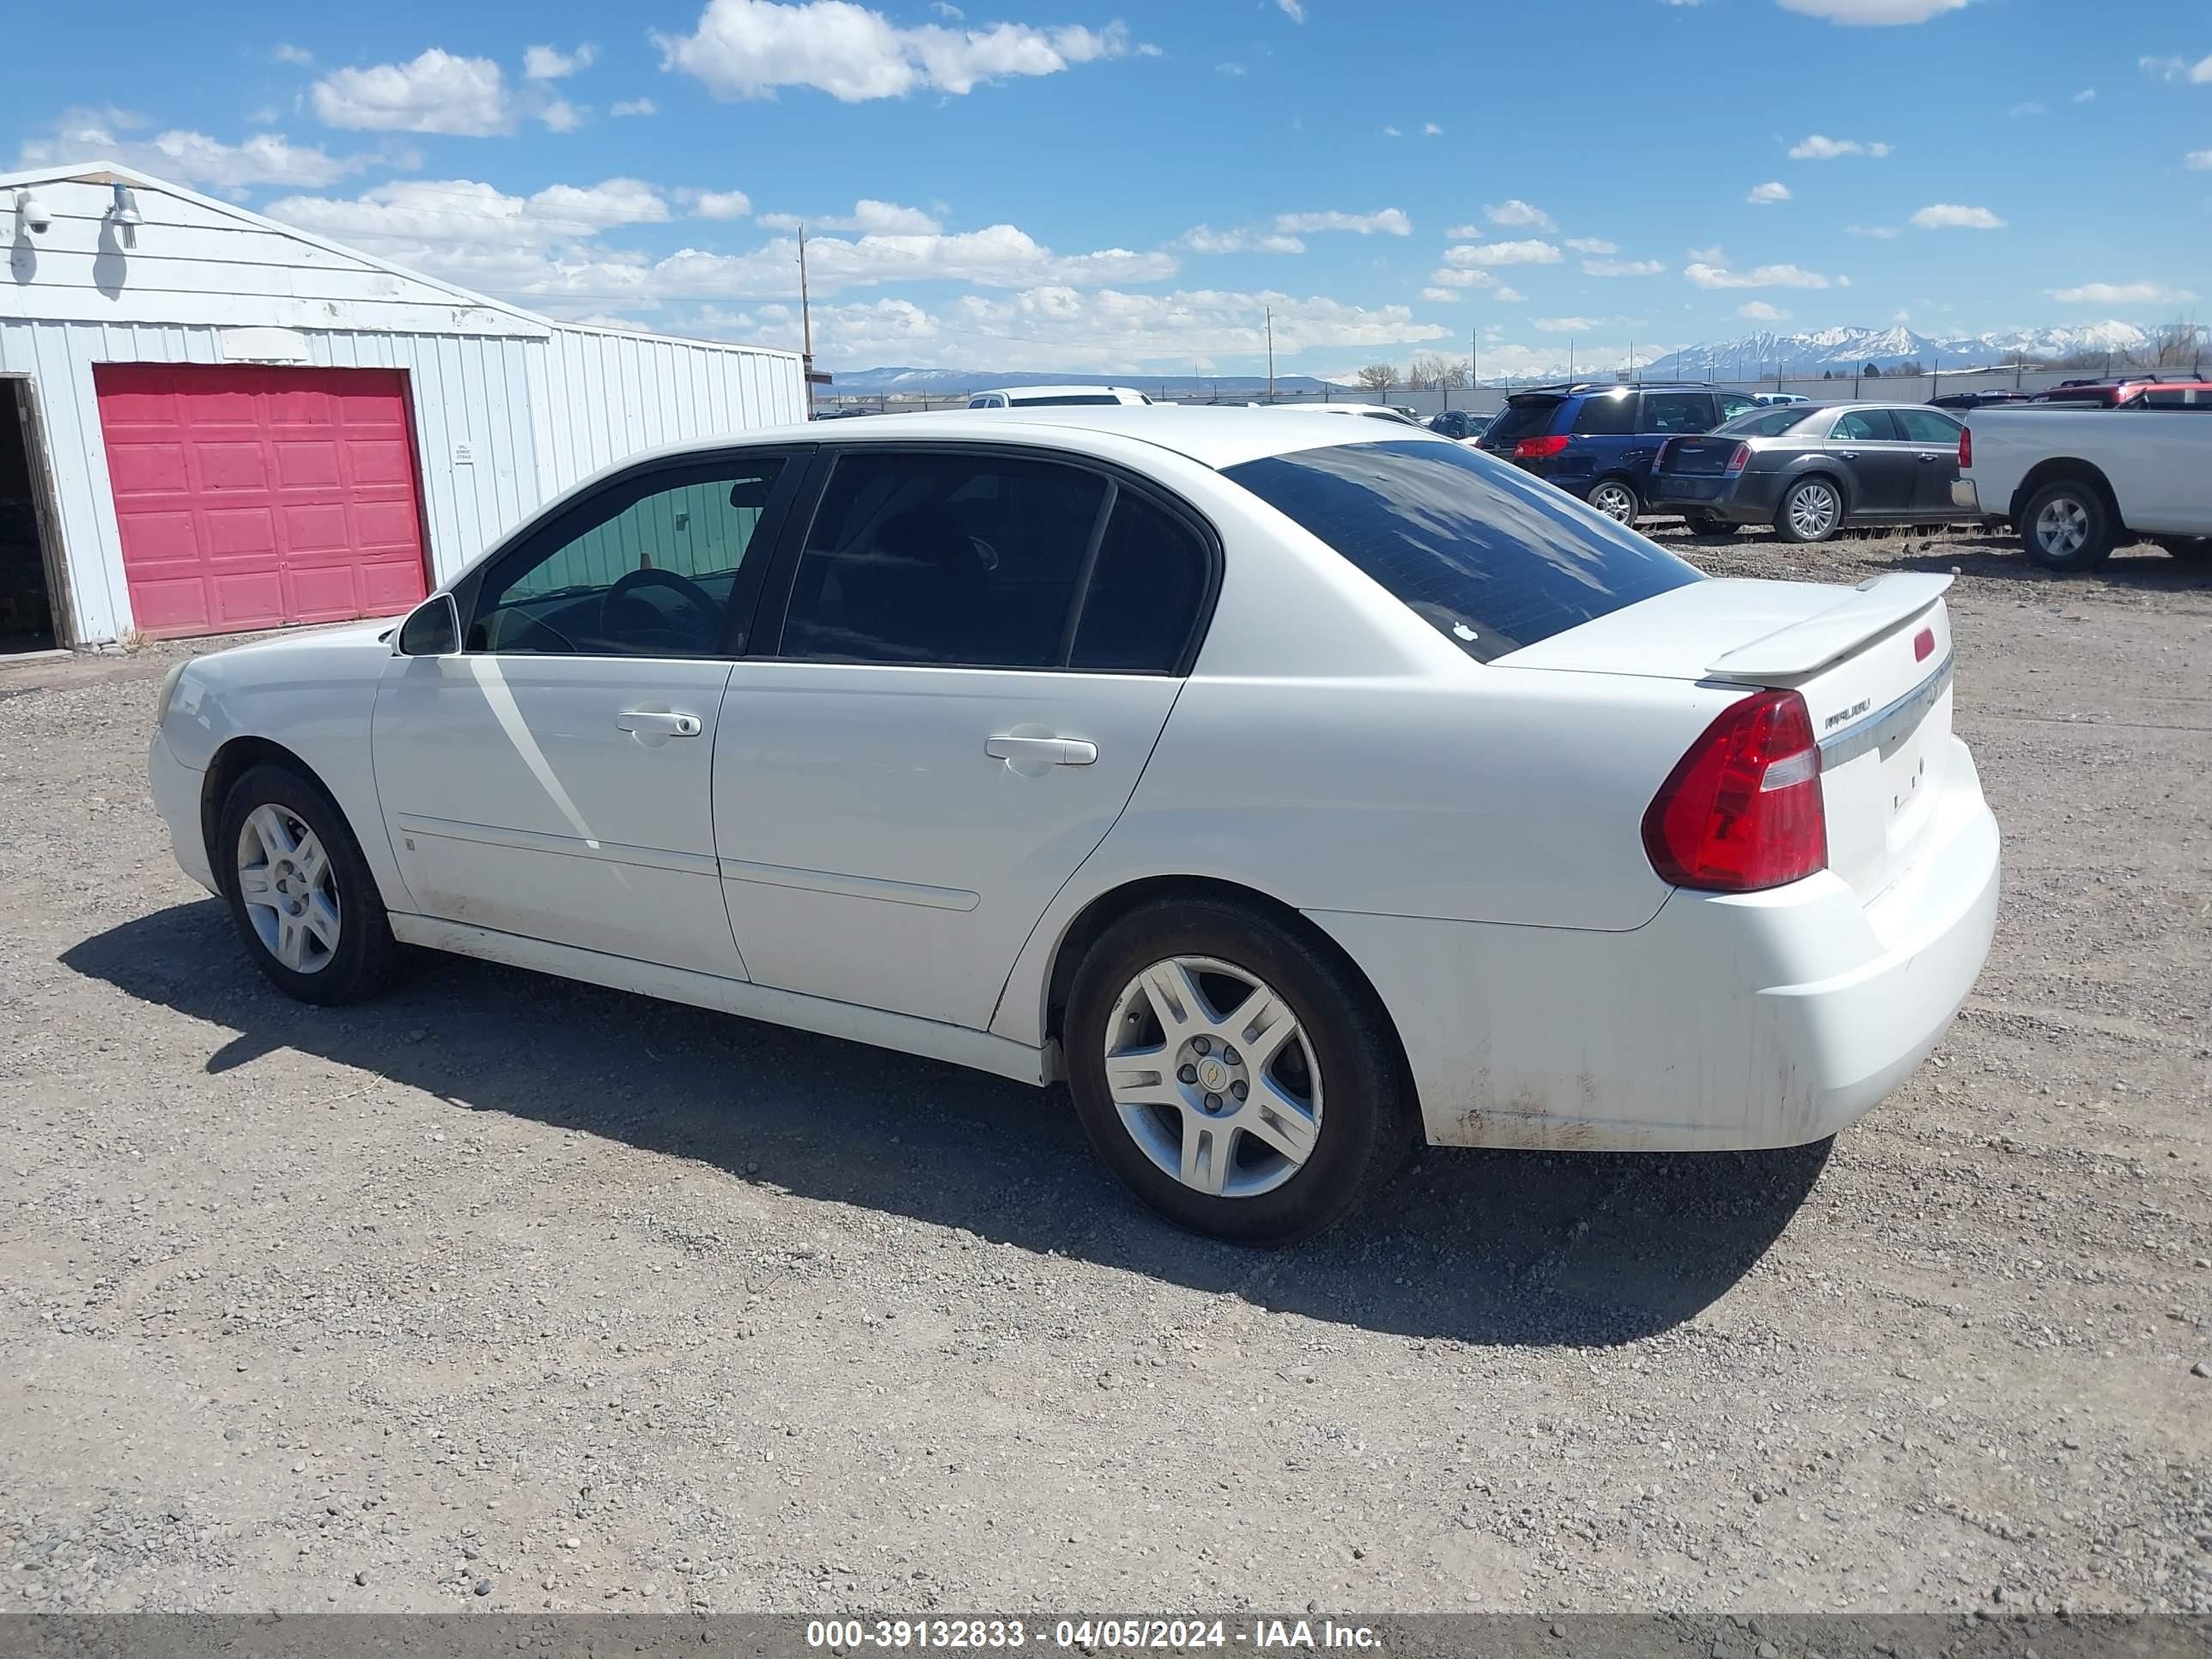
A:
[(1131, 185)]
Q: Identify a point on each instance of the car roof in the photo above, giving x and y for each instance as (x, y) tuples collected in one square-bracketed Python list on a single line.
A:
[(1213, 436), (1091, 387)]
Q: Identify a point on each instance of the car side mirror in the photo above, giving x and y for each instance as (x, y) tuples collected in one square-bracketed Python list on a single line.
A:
[(433, 629)]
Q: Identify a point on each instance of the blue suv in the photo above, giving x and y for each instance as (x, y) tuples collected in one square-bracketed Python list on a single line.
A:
[(1597, 441)]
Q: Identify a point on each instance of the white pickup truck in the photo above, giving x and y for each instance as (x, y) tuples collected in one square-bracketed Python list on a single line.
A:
[(2076, 482)]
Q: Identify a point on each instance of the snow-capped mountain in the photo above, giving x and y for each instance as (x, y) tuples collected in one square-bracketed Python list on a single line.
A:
[(944, 382), (1809, 353)]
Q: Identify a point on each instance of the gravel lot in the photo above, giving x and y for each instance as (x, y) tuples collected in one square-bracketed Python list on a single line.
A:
[(505, 1292)]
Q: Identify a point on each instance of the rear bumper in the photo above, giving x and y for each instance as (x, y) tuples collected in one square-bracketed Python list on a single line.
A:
[(1726, 1023), (176, 789), (1740, 498)]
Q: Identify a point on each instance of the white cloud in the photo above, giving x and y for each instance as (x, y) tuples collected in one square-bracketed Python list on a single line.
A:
[(1391, 221), (1512, 296), (436, 92), (1759, 311), (721, 205), (1461, 277), (285, 53), (1204, 238), (559, 115), (2087, 95), (1715, 255), (2198, 160), (2123, 294), (1440, 295), (1769, 193), (547, 63), (1949, 215), (1881, 232), (1817, 147), (750, 48), (1566, 325), (945, 11), (1231, 69), (1622, 267), (634, 106), (868, 215), (1719, 276), (1147, 49), (1292, 10), (2028, 109), (2176, 68), (1516, 213), (1875, 12), (194, 158), (1502, 253), (425, 214), (1392, 132), (1586, 244), (1431, 130)]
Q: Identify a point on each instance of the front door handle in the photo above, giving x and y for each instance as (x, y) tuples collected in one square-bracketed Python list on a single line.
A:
[(1047, 752), (658, 723)]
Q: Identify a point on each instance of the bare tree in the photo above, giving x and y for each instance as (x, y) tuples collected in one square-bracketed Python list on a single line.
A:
[(1428, 373), (1454, 375), (1378, 377)]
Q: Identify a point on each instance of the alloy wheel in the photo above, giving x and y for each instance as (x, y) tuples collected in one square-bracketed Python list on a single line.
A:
[(2062, 527), (1813, 510), (289, 888), (1213, 1077), (1615, 502)]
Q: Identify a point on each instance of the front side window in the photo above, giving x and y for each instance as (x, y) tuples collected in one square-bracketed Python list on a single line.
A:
[(949, 558), (1493, 558), (1678, 411), (649, 571)]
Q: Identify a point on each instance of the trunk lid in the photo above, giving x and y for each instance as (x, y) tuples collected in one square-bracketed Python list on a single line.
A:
[(1699, 455), (1873, 664)]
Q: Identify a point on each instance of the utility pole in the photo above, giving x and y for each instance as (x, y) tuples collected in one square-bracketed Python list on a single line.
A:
[(1570, 357), (1474, 360), (1270, 354), (806, 326)]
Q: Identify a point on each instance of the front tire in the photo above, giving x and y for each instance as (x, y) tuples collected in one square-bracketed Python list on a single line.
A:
[(301, 894), (1617, 499), (2067, 527), (1240, 1082), (1813, 511)]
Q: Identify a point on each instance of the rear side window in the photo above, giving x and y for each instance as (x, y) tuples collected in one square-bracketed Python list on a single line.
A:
[(1492, 558), (1770, 423), (1864, 426), (1144, 593), (1925, 426), (1678, 411), (1610, 415), (1068, 402), (1522, 417)]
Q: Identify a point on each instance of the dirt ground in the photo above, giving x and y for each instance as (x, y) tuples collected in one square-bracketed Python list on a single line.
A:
[(507, 1292)]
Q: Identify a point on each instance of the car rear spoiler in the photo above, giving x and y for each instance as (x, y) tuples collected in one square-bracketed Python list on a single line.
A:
[(1875, 605)]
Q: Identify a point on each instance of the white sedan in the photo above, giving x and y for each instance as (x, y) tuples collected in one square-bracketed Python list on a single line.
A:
[(1294, 787)]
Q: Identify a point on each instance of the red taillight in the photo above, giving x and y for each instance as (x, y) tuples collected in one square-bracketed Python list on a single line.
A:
[(1923, 645), (1965, 448), (1537, 449), (1742, 811), (1741, 459)]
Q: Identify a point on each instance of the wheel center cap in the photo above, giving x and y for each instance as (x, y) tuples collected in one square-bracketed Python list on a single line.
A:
[(1213, 1075)]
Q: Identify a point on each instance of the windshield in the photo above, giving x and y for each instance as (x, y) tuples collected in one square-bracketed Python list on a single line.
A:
[(1491, 558), (1768, 422)]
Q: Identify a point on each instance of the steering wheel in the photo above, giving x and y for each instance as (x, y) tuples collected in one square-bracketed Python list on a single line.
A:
[(690, 592)]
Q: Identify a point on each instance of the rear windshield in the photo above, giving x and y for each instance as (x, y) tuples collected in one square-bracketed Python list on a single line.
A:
[(1521, 418), (1768, 422), (1067, 402), (1493, 558)]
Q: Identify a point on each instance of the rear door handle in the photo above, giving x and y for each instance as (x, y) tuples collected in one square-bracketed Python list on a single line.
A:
[(658, 723), (1930, 455), (1049, 751), (1847, 455)]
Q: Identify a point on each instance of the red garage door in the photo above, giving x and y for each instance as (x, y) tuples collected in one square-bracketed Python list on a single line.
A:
[(250, 497)]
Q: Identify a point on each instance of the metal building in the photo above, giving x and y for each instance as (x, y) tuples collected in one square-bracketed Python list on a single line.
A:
[(227, 424)]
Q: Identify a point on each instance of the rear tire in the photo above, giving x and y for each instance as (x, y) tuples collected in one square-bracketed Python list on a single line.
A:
[(1275, 1103), (1617, 499), (301, 894), (2067, 526), (1811, 511)]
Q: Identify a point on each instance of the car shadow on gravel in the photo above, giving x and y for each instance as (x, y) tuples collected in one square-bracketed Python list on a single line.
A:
[(1488, 1248), (2145, 570)]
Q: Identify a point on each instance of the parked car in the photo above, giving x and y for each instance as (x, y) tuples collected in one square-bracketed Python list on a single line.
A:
[(1364, 411), (2076, 481), (2147, 392), (1054, 397), (841, 414), (1464, 425), (1597, 441), (1770, 399), (785, 725), (1811, 469), (1982, 399)]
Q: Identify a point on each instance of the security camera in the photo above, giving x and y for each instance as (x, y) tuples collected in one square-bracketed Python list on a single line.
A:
[(33, 213)]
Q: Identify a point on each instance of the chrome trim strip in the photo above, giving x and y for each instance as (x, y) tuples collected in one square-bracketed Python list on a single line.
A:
[(866, 887), (572, 846), (1871, 731)]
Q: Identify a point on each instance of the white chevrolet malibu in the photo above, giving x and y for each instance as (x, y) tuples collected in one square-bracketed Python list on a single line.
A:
[(1294, 787)]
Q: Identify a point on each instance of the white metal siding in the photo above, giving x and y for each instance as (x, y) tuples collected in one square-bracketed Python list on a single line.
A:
[(537, 405), (610, 394)]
